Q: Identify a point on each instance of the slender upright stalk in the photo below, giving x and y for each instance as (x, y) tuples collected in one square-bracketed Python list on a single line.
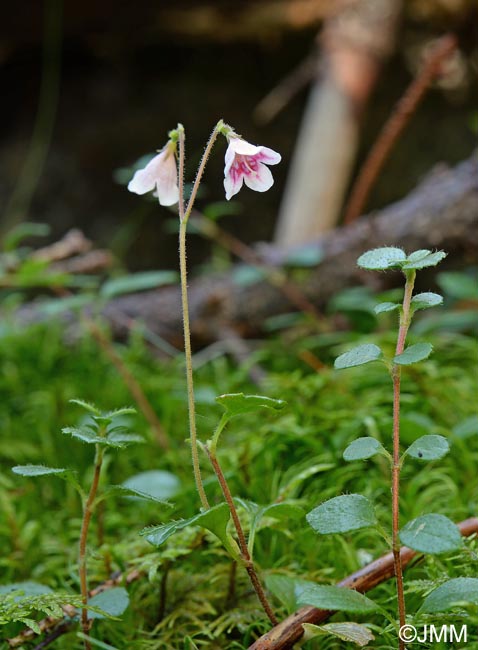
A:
[(87, 513), (186, 327), (246, 557), (405, 317), (184, 214)]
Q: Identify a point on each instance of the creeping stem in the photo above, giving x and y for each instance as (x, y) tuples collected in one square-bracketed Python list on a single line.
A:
[(85, 524), (245, 555), (405, 318)]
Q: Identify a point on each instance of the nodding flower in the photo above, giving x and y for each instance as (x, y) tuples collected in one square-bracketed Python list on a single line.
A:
[(246, 163), (160, 176)]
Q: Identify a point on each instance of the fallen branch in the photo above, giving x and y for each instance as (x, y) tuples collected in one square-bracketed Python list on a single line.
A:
[(441, 213), (289, 632)]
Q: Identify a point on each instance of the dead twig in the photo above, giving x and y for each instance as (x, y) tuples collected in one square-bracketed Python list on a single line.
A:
[(289, 632), (395, 125)]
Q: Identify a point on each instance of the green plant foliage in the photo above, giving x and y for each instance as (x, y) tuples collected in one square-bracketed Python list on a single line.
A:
[(215, 520), (358, 356), (305, 257), (432, 533), (137, 282), (155, 483), (22, 605), (413, 354), (426, 300), (287, 589), (109, 604), (453, 593), (336, 599), (238, 403), (381, 259), (259, 514), (363, 448), (386, 306), (342, 514), (423, 261), (38, 470), (347, 631), (429, 448)]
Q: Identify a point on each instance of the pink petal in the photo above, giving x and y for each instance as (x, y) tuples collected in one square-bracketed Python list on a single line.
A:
[(260, 180), (233, 183), (268, 156)]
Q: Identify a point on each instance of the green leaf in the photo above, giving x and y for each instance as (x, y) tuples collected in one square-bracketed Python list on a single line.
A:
[(467, 428), (429, 448), (259, 513), (418, 255), (91, 408), (386, 306), (39, 470), (414, 354), (287, 589), (431, 533), (341, 599), (157, 484), (306, 257), (245, 276), (237, 403), (112, 603), (452, 593), (121, 490), (215, 520), (14, 237), (116, 438), (347, 631), (380, 259), (460, 286), (426, 300), (358, 356), (428, 260), (363, 448), (342, 514), (27, 588), (137, 282)]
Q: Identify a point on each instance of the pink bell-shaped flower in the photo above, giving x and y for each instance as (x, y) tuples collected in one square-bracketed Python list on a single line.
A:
[(246, 163)]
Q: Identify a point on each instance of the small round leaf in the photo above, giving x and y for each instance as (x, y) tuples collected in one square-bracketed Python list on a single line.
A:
[(431, 533), (341, 599), (426, 300), (363, 448), (381, 259), (358, 356), (386, 306), (414, 354), (429, 448), (341, 514), (450, 594)]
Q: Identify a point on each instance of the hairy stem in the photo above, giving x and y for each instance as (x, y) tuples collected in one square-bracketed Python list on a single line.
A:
[(200, 172), (246, 557), (405, 318), (187, 330), (85, 524)]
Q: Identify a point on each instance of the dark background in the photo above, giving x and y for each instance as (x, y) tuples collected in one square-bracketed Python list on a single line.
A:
[(128, 72)]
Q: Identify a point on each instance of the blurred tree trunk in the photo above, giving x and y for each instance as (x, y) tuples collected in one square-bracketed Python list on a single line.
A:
[(355, 43)]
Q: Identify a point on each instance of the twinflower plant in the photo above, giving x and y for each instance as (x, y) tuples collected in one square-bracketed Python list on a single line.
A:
[(245, 163)]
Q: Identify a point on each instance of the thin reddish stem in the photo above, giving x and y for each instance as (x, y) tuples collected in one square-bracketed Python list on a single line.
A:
[(246, 557)]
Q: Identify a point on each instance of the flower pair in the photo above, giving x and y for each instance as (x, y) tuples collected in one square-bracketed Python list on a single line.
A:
[(244, 163)]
